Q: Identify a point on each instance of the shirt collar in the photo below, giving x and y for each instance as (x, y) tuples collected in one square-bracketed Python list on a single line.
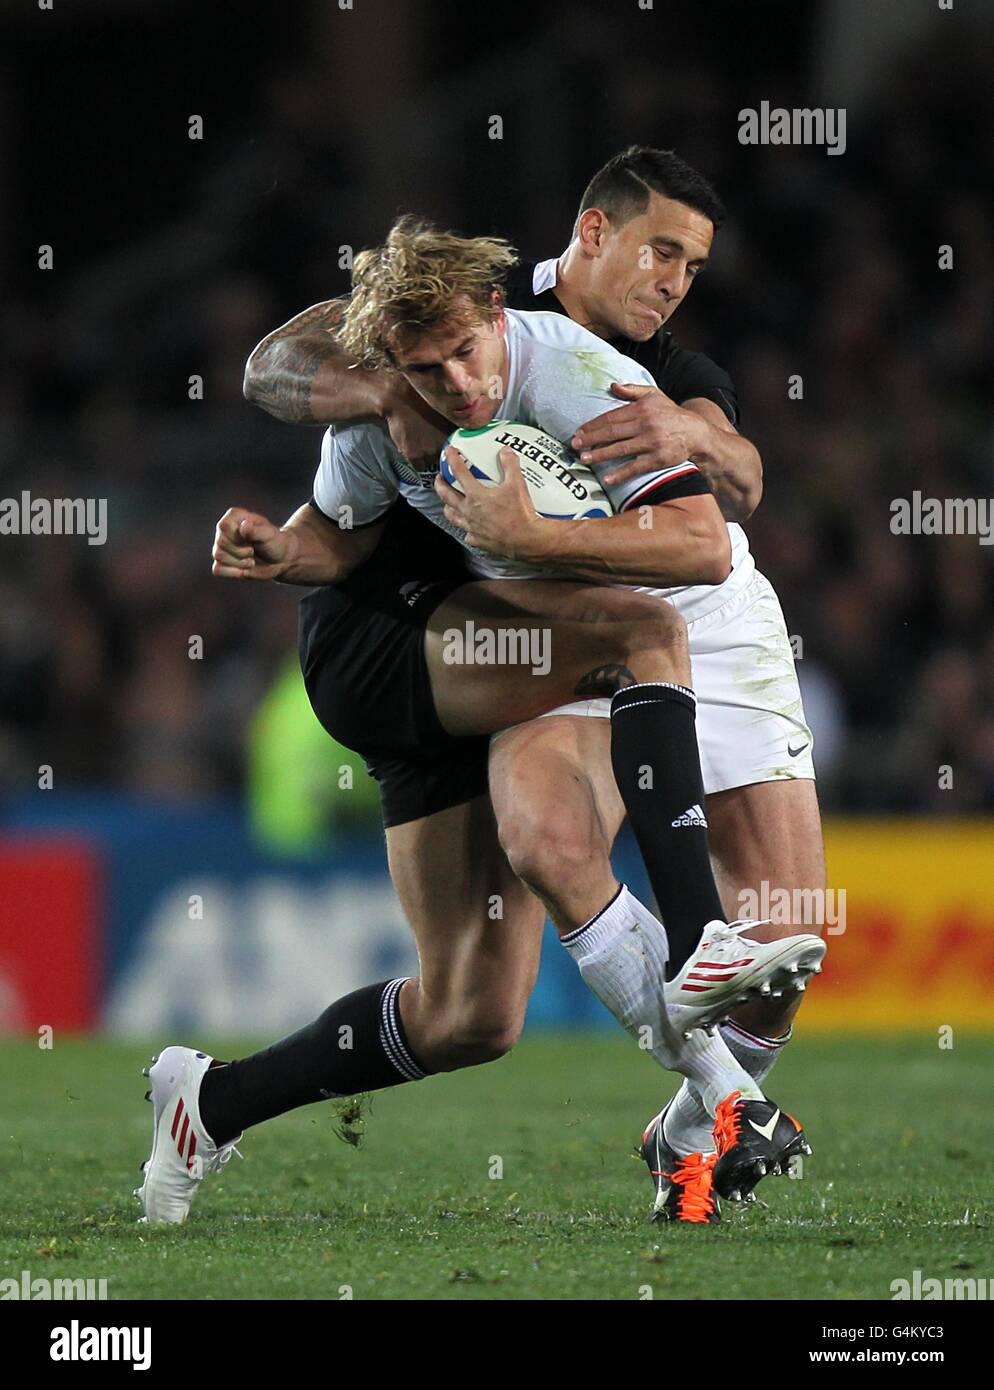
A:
[(544, 276)]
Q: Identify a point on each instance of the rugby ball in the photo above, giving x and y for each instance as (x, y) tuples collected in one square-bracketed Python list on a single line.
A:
[(560, 485)]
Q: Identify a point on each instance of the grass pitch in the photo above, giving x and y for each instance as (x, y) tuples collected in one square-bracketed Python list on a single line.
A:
[(509, 1181)]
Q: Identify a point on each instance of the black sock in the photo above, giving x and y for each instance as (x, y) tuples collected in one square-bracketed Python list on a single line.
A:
[(358, 1044), (658, 770)]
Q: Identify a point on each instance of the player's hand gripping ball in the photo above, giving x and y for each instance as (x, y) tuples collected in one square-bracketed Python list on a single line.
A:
[(560, 486)]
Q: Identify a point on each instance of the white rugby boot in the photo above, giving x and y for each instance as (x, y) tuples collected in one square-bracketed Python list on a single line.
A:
[(729, 968), (183, 1153)]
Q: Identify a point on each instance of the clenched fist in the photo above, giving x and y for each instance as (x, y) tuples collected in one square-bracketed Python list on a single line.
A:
[(249, 546)]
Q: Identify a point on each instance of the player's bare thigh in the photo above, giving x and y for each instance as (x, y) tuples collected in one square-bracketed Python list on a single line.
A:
[(767, 837), (478, 931), (559, 811), (570, 641)]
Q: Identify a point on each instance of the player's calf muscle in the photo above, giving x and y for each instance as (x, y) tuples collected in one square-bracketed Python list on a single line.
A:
[(470, 1011), (467, 1032), (573, 880), (770, 858), (478, 932)]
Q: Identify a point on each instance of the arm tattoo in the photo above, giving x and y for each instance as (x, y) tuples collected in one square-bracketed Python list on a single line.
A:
[(290, 366), (321, 318), (285, 363), (603, 680)]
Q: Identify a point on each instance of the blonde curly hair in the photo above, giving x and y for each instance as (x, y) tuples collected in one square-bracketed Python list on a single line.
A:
[(418, 277)]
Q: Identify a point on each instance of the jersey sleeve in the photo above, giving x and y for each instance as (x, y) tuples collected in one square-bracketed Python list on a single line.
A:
[(575, 388), (682, 480), (685, 376), (354, 472)]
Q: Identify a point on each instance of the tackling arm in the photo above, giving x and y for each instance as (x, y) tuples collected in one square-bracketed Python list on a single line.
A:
[(653, 432), (300, 374), (324, 553), (308, 549), (730, 462)]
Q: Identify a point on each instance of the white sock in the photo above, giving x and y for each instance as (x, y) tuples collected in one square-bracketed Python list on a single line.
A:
[(757, 1054), (687, 1127), (710, 1066), (621, 954)]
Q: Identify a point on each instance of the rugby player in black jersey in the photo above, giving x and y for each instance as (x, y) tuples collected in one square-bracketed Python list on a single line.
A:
[(763, 831), (653, 428)]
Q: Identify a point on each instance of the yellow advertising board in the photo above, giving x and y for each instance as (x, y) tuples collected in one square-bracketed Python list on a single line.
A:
[(913, 946)]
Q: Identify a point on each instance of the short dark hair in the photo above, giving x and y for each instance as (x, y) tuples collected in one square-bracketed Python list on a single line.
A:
[(623, 186)]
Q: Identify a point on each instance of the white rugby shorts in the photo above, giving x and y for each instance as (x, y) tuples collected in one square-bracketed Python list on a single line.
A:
[(750, 718)]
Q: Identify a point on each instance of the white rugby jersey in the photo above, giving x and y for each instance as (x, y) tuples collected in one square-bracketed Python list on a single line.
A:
[(559, 376)]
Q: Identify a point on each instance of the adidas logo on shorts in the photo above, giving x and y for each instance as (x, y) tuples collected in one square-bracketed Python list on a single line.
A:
[(694, 815)]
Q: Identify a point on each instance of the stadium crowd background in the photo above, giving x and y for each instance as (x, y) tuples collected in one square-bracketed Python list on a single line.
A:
[(174, 256)]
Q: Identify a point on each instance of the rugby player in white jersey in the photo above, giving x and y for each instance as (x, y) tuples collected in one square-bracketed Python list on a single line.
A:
[(643, 234), (551, 374), (548, 371)]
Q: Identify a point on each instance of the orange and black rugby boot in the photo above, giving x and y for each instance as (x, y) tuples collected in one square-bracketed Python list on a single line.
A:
[(684, 1187), (753, 1138)]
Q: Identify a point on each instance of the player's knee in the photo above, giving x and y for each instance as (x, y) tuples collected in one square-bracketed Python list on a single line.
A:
[(481, 1035), (657, 627), (546, 859), (650, 639)]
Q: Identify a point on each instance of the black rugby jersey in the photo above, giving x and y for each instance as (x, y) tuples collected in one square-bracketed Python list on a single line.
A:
[(683, 375)]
